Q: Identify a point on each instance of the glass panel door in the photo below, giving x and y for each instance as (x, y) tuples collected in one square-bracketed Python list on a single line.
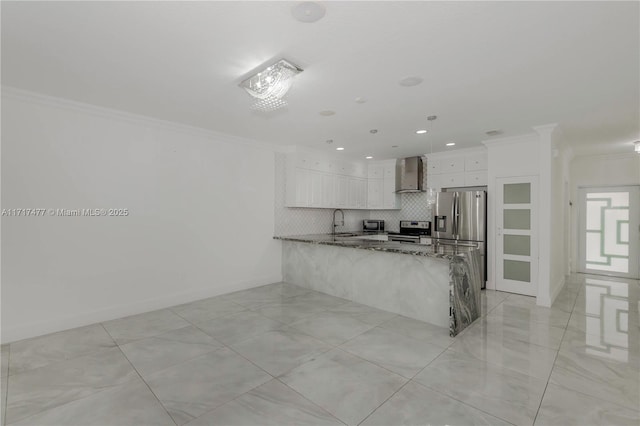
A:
[(516, 236), (609, 230)]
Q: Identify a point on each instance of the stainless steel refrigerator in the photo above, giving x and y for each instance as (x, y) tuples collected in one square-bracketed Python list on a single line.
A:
[(460, 218)]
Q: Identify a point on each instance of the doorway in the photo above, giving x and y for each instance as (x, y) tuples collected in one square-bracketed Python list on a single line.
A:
[(609, 231), (517, 235)]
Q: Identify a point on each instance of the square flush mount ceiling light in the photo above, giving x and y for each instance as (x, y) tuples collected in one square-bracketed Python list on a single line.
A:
[(270, 85)]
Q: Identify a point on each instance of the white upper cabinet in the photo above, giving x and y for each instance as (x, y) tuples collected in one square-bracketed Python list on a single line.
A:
[(341, 190), (319, 182), (476, 178), (382, 186), (375, 171), (433, 166), (465, 167), (390, 199), (375, 188), (452, 180), (452, 165), (329, 196), (357, 195), (475, 162)]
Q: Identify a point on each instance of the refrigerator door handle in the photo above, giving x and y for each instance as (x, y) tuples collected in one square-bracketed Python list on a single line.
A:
[(454, 231), (456, 214)]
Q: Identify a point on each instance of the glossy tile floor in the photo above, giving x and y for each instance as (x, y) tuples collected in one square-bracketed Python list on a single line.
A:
[(284, 355)]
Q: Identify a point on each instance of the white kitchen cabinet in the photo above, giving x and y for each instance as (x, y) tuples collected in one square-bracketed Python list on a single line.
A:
[(357, 170), (433, 166), (341, 190), (362, 193), (390, 200), (475, 178), (315, 199), (465, 167), (328, 190), (475, 162), (452, 165), (312, 180), (381, 186), (357, 198), (301, 161), (375, 171), (315, 181), (375, 188), (342, 168), (449, 180), (302, 185)]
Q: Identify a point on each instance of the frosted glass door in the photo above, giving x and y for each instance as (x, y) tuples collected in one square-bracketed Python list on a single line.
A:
[(516, 236), (609, 231)]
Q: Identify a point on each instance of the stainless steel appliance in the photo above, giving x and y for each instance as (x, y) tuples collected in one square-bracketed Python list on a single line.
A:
[(411, 231), (409, 175), (460, 218), (372, 226)]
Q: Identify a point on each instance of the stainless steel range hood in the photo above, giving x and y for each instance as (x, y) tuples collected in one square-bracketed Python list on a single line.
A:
[(409, 175)]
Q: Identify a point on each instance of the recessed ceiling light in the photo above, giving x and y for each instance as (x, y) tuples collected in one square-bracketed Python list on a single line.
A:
[(327, 113), (410, 81), (360, 100), (421, 131), (368, 157), (308, 12), (451, 144), (373, 131), (339, 148), (329, 141)]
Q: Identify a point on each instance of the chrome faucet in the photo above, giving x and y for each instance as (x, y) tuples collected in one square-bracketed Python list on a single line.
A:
[(337, 223)]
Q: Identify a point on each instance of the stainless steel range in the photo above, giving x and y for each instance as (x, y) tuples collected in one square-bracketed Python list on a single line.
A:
[(411, 231)]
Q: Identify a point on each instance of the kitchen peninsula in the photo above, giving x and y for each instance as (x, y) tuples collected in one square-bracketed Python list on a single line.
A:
[(437, 284)]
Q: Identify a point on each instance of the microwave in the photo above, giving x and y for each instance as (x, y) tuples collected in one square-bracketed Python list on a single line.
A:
[(372, 225)]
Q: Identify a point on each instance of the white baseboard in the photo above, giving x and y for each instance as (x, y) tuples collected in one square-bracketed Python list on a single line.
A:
[(548, 301), (25, 331), (557, 288)]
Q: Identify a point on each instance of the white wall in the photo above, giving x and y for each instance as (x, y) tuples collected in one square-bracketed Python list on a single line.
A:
[(201, 215), (599, 170), (553, 199), (558, 212)]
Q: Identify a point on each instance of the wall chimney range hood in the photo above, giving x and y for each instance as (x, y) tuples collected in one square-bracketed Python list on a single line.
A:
[(409, 175)]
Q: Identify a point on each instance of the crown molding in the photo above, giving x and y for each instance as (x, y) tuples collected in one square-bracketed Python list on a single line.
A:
[(115, 114), (457, 152), (615, 156), (511, 140), (545, 128)]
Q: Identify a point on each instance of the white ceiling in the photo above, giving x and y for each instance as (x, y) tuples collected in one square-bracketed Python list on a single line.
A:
[(485, 65)]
